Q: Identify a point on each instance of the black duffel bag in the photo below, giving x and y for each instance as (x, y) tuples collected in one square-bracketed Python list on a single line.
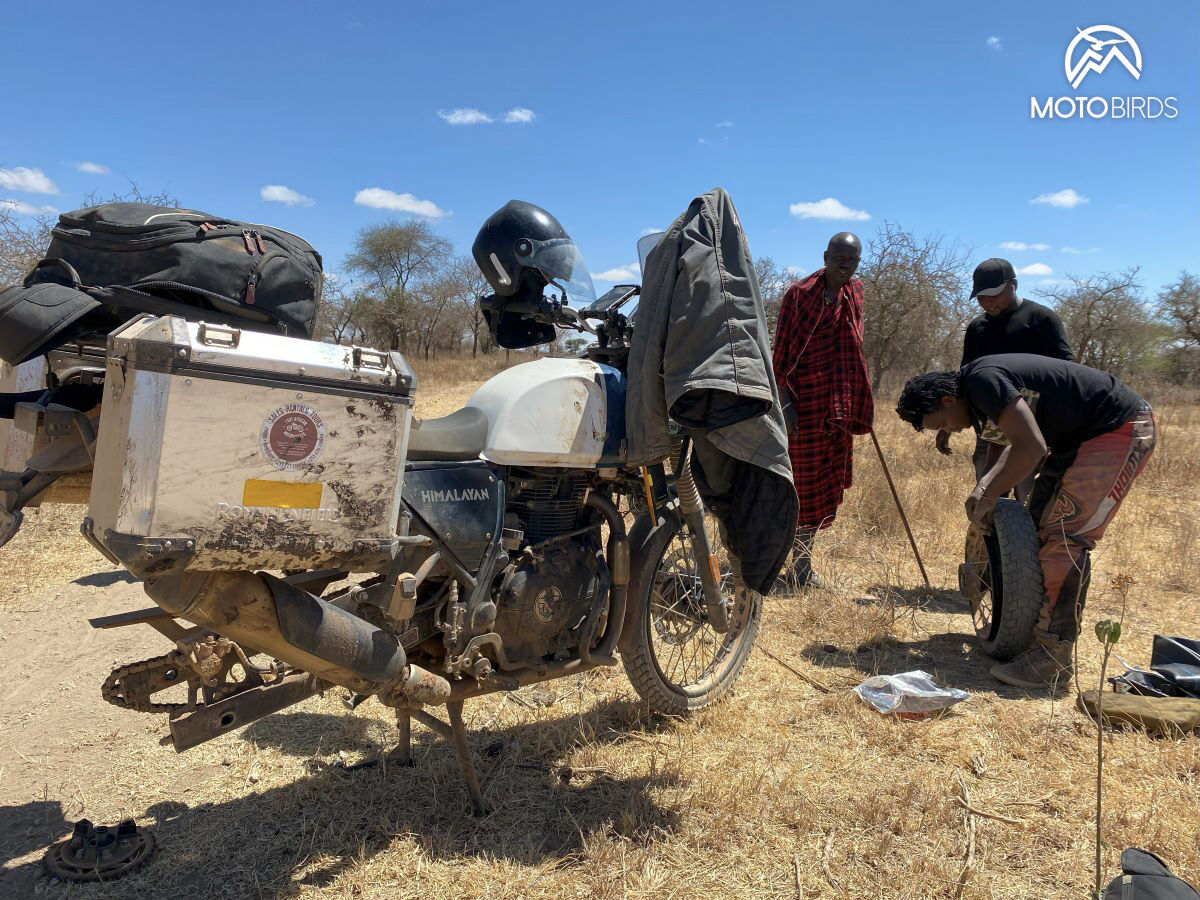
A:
[(108, 263)]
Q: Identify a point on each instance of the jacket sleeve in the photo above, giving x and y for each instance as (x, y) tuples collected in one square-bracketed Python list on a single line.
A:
[(1054, 338)]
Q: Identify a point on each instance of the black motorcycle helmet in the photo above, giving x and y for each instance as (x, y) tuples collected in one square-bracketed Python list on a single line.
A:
[(505, 251), (506, 242)]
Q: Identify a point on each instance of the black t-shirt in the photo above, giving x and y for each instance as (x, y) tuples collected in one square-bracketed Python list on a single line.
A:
[(1071, 403), (1027, 328)]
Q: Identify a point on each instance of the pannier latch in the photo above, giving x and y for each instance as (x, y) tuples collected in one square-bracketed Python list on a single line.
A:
[(369, 359), (218, 335)]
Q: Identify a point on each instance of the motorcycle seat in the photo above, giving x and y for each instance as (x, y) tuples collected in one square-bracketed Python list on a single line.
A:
[(457, 437)]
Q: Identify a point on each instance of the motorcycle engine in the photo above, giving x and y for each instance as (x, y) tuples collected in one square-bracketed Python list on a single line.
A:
[(546, 599)]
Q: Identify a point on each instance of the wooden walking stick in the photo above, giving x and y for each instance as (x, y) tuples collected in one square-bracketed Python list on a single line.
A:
[(899, 506)]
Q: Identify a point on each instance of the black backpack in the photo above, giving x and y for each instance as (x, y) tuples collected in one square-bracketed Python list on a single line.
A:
[(1146, 877), (108, 263)]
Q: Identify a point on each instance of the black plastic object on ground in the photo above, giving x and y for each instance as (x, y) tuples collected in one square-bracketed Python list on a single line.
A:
[(1174, 670), (100, 853)]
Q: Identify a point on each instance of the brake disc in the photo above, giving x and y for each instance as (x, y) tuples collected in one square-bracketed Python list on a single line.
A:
[(100, 853)]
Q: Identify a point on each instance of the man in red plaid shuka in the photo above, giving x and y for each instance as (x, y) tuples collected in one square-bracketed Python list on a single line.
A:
[(825, 388)]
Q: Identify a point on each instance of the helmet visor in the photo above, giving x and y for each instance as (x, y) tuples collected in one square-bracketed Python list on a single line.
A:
[(561, 263)]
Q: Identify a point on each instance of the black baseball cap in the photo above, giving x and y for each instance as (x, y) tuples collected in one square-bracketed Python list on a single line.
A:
[(991, 276)]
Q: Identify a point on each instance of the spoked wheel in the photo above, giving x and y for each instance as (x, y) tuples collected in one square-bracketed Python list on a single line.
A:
[(1001, 577), (675, 660)]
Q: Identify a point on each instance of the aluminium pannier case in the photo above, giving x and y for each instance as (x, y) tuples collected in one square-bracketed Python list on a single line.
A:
[(224, 449)]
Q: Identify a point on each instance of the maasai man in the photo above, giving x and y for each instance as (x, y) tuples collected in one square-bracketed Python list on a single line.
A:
[(826, 391)]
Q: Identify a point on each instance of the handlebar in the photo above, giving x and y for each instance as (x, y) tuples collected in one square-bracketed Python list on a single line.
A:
[(552, 312)]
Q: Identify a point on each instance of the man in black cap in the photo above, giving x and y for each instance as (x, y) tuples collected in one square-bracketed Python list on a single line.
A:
[(1009, 324)]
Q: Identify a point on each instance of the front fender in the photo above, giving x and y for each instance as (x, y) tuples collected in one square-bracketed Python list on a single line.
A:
[(647, 540)]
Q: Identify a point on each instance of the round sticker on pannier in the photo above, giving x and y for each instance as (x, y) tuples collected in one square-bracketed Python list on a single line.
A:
[(292, 436)]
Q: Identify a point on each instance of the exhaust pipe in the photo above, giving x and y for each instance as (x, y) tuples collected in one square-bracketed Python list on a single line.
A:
[(270, 616), (618, 565)]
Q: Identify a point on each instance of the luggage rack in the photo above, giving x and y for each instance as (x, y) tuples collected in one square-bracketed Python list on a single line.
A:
[(46, 449)]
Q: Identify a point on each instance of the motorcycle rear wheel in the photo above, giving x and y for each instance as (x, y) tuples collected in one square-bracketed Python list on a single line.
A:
[(1001, 578), (676, 662)]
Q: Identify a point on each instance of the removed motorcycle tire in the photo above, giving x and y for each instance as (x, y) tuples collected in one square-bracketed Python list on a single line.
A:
[(1002, 579), (667, 642)]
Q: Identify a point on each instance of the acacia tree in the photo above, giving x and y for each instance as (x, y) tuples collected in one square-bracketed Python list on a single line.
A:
[(23, 242), (913, 306), (344, 312), (773, 283), (472, 286), (1108, 325), (1179, 310), (397, 260), (438, 318)]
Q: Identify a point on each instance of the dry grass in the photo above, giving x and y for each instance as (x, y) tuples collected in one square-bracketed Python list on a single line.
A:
[(780, 786)]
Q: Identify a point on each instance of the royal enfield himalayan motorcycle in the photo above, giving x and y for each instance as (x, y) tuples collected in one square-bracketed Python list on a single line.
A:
[(298, 529)]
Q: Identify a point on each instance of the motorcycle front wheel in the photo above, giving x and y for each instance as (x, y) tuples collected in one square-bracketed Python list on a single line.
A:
[(676, 662)]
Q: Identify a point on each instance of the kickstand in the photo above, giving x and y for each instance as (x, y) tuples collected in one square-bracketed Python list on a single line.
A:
[(404, 743), (456, 731), (464, 755)]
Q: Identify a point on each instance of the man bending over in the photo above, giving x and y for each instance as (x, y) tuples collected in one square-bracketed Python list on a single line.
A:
[(1091, 435)]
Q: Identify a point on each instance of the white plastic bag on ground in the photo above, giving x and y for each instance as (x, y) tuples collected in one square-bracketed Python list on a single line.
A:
[(909, 694)]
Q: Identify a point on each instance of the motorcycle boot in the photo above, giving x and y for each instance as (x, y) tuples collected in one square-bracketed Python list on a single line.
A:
[(1046, 666)]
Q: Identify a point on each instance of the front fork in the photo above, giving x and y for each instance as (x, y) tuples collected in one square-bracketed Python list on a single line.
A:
[(691, 509)]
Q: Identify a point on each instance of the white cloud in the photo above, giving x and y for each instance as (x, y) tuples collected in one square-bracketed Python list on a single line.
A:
[(793, 271), (519, 116), (29, 181), (1075, 251), (92, 168), (279, 193), (829, 208), (631, 272), (646, 231), (1021, 245), (994, 43), (27, 209), (724, 123), (1035, 269), (381, 198), (1068, 198), (703, 141), (464, 116)]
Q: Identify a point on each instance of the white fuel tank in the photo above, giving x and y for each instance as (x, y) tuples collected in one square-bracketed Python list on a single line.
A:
[(550, 412)]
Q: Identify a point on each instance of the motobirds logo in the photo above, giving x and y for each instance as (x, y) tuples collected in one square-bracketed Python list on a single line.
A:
[(1090, 53)]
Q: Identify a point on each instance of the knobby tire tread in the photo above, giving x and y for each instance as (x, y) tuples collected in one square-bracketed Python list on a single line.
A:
[(637, 654), (1017, 540)]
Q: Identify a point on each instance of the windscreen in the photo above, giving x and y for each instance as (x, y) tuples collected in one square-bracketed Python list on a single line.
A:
[(561, 263)]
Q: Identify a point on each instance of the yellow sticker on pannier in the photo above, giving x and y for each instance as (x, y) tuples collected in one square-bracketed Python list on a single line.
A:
[(282, 494)]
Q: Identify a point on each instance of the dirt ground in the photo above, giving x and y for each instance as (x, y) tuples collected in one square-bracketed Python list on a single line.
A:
[(787, 789)]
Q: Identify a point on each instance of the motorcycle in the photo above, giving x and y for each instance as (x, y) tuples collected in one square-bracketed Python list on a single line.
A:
[(500, 546)]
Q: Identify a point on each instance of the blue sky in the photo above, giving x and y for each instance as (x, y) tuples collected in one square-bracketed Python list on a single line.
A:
[(911, 113)]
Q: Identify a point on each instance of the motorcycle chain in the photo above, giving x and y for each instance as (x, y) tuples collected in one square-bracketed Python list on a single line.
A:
[(131, 686)]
